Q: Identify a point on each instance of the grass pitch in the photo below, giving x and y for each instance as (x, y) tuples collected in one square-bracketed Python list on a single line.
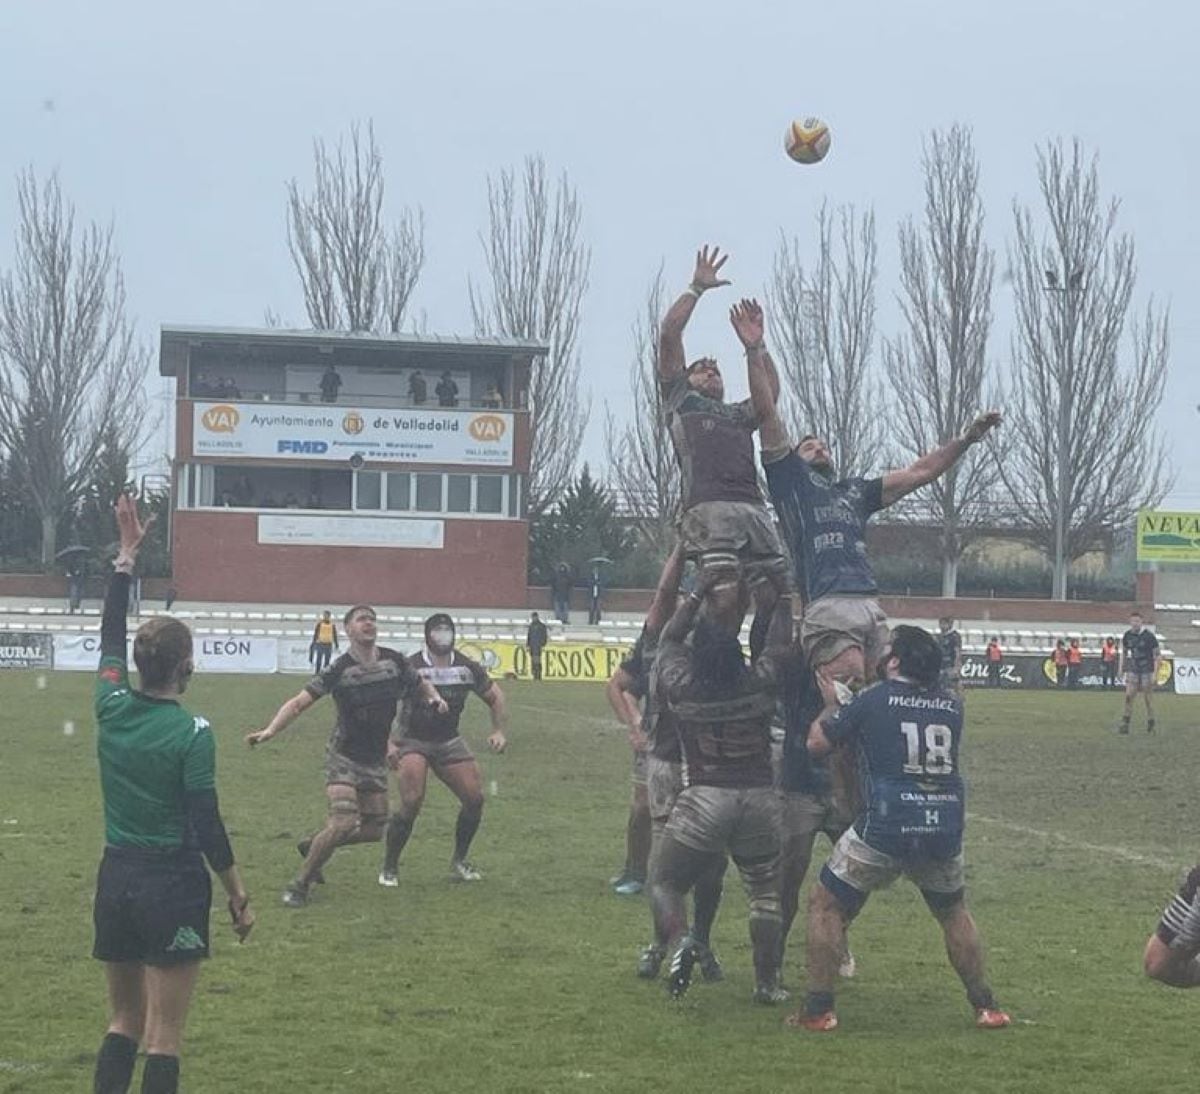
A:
[(525, 983)]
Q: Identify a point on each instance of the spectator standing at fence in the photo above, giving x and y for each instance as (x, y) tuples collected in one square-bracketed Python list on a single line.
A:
[(1074, 663), (324, 642), (331, 384), (536, 639), (995, 659), (560, 588), (1059, 656), (447, 390), (1108, 662), (418, 391)]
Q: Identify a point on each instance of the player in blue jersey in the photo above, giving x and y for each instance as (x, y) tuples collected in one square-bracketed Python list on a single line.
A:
[(824, 521), (906, 731)]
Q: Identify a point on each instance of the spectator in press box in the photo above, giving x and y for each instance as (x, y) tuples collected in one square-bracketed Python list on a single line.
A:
[(418, 391), (447, 390), (331, 384)]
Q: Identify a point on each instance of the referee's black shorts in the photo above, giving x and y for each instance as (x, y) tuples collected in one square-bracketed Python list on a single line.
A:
[(151, 906)]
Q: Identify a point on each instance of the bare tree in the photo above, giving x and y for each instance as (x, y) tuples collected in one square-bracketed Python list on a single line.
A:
[(356, 274), (1082, 456), (643, 470), (71, 371), (538, 269), (825, 318), (938, 369)]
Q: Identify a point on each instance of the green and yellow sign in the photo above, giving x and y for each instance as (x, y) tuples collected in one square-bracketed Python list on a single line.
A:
[(1168, 537)]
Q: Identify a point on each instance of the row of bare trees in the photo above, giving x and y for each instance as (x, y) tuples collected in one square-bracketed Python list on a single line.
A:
[(1079, 454)]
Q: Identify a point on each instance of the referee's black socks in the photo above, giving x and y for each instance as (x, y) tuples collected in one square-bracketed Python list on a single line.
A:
[(160, 1075), (114, 1064)]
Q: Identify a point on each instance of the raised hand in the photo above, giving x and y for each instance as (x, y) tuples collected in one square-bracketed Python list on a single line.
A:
[(747, 320), (709, 261), (131, 527), (979, 428)]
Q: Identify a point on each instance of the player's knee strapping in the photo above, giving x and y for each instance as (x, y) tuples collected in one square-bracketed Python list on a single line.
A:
[(344, 817), (761, 880)]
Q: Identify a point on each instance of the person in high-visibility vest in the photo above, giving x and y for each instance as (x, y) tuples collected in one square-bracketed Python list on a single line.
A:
[(1074, 663), (1108, 662), (324, 642), (995, 658)]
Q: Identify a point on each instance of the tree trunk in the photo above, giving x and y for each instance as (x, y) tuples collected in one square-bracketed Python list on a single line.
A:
[(950, 577), (49, 541)]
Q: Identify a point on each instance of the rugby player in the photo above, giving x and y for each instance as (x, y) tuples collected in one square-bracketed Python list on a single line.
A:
[(662, 777), (724, 523), (1140, 659), (626, 692), (951, 643), (427, 738), (367, 683), (723, 710), (1173, 951), (824, 521), (157, 776), (907, 730)]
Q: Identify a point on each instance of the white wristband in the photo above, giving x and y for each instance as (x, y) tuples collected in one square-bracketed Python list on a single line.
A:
[(691, 290)]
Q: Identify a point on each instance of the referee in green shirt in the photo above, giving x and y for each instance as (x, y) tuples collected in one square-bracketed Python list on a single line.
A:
[(161, 821)]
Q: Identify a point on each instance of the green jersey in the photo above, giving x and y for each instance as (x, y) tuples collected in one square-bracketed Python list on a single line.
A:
[(152, 752)]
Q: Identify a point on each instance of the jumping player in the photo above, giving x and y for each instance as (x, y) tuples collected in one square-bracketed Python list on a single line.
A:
[(1173, 951), (1140, 659), (427, 738), (724, 523), (367, 683), (723, 710), (907, 730), (824, 522), (157, 775)]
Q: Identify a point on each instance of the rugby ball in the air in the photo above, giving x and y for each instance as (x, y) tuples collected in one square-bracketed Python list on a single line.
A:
[(807, 140)]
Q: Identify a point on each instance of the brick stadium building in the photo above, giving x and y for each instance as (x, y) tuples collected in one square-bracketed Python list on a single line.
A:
[(317, 466)]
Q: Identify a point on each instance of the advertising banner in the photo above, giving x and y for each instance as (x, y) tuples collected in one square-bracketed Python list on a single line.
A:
[(1164, 536), (295, 655), (236, 653), (1035, 671), (1187, 676), (334, 433), (322, 531), (22, 650), (560, 660), (79, 652)]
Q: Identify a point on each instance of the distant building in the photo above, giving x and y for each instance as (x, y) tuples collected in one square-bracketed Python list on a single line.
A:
[(279, 496)]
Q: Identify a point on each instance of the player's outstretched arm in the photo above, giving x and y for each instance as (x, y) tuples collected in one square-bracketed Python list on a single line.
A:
[(498, 708), (896, 484), (620, 691), (284, 717), (672, 361), (748, 321)]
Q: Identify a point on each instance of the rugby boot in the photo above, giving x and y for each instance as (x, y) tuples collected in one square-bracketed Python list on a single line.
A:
[(464, 871), (650, 962), (629, 886), (710, 966), (295, 895), (814, 1023), (991, 1018), (388, 879), (771, 995), (679, 977)]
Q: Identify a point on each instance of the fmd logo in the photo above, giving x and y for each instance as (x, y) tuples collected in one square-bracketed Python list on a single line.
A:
[(220, 419), (487, 427), (311, 448)]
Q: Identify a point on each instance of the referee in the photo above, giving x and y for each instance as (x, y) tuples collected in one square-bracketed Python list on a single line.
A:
[(161, 821)]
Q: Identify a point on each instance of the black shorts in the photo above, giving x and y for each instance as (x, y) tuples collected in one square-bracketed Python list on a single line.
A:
[(151, 906)]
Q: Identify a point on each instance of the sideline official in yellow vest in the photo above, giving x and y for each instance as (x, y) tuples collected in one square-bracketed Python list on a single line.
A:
[(324, 642)]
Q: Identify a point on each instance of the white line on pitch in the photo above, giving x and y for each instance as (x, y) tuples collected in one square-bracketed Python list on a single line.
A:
[(1126, 853)]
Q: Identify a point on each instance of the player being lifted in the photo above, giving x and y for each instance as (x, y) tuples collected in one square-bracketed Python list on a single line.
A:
[(907, 731), (429, 738), (824, 522), (367, 683), (724, 523)]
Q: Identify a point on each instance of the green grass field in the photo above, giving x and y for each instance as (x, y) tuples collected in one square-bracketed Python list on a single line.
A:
[(525, 983)]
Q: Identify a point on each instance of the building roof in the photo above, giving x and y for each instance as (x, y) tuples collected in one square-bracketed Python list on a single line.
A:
[(175, 339)]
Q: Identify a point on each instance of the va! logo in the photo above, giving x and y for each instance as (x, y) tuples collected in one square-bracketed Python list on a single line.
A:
[(220, 419), (353, 423), (487, 427)]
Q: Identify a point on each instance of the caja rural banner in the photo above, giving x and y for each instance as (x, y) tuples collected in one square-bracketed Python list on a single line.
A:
[(1187, 676), (24, 650), (211, 653), (1036, 671), (1164, 536), (269, 431)]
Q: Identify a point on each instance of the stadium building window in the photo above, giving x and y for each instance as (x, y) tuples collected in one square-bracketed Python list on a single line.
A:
[(368, 490), (429, 494), (399, 491), (458, 493), (489, 494)]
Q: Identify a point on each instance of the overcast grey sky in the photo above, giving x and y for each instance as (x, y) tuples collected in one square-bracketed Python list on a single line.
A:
[(183, 124)]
